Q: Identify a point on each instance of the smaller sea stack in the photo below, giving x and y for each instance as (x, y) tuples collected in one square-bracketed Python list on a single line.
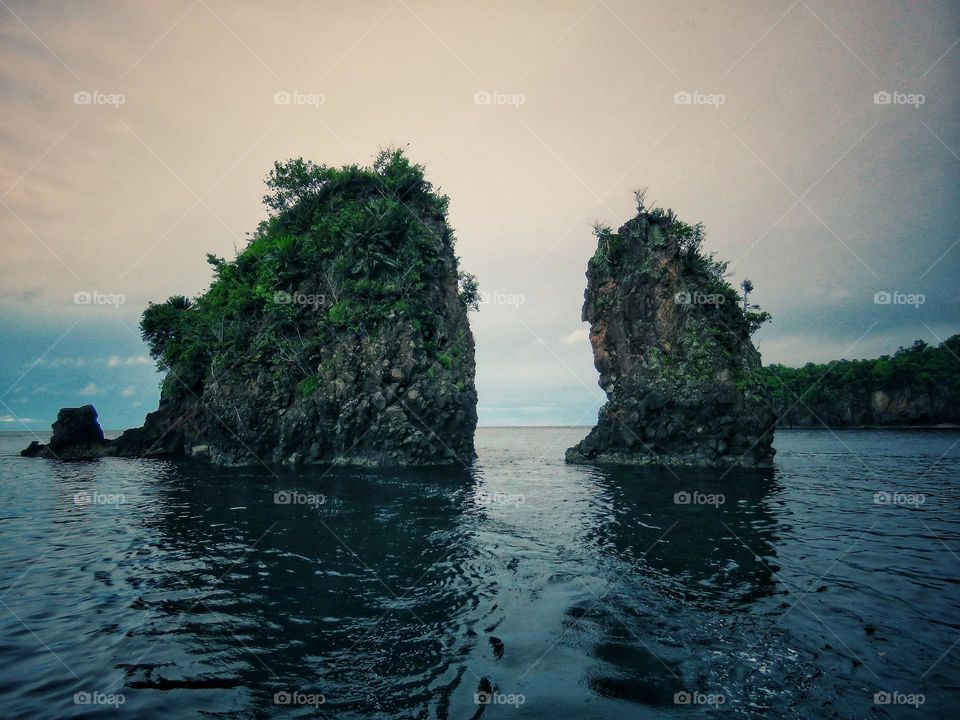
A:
[(671, 341)]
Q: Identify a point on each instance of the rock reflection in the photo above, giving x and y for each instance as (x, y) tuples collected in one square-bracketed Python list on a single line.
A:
[(365, 581), (681, 550), (703, 536)]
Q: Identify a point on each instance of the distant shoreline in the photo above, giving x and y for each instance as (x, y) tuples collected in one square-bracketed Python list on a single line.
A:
[(942, 426), (479, 427)]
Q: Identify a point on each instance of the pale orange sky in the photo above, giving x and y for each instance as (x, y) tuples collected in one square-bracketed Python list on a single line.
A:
[(819, 194)]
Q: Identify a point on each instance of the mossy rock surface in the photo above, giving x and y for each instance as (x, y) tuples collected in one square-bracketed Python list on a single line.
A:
[(338, 334), (671, 341)]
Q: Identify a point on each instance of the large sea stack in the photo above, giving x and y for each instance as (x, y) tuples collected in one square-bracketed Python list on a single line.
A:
[(671, 341), (339, 334)]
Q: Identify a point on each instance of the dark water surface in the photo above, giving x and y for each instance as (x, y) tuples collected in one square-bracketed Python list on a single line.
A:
[(574, 592)]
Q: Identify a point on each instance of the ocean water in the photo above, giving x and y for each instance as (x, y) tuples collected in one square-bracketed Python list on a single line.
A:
[(152, 589)]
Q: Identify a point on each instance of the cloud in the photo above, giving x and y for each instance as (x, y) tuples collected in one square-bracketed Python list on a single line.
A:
[(59, 362), (577, 337), (14, 419), (78, 362), (117, 361), (25, 391), (90, 389), (128, 391)]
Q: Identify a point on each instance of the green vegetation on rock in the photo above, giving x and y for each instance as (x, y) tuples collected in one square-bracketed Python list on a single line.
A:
[(919, 385), (339, 332), (671, 341), (380, 236)]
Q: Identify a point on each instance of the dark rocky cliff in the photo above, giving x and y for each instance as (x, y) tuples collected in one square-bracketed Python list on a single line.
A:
[(896, 407), (918, 386), (339, 334), (671, 341)]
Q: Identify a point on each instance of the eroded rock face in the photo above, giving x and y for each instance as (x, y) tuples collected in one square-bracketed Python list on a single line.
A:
[(75, 426), (76, 434), (915, 386), (376, 401), (893, 407), (671, 341)]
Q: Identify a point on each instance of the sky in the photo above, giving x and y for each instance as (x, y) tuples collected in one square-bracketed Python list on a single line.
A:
[(817, 141)]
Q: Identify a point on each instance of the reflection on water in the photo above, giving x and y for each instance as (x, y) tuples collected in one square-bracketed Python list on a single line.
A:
[(703, 537), (562, 591)]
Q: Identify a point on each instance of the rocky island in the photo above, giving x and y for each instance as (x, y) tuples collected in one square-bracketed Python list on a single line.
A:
[(671, 341), (339, 334), (76, 434)]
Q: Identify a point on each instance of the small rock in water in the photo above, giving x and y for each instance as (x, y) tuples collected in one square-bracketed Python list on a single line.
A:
[(76, 435), (483, 697), (76, 426)]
